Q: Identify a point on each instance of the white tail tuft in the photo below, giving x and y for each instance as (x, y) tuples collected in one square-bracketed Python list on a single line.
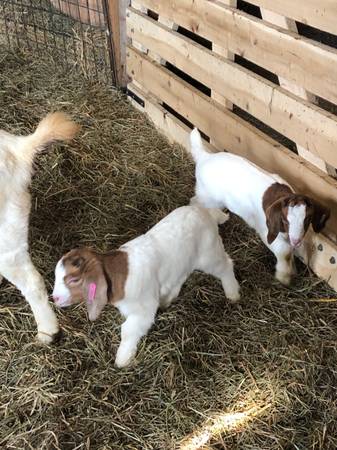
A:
[(197, 148), (54, 127)]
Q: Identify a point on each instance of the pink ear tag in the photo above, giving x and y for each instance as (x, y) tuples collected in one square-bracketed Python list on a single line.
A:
[(92, 292)]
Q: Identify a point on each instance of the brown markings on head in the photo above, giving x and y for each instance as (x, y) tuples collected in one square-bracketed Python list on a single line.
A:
[(276, 201), (116, 266), (107, 272)]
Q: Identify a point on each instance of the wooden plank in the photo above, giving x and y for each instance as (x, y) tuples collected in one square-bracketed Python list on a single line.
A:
[(290, 24), (300, 60), (171, 127), (138, 6), (306, 124), (167, 22), (319, 250), (116, 10), (222, 51), (317, 13), (232, 132)]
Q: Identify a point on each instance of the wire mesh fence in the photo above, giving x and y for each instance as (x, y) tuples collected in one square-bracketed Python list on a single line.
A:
[(73, 33)]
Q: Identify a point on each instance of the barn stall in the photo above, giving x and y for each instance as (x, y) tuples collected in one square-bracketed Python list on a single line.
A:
[(260, 374)]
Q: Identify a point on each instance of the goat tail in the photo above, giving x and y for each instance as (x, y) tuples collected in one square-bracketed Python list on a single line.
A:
[(197, 148), (54, 127), (218, 215)]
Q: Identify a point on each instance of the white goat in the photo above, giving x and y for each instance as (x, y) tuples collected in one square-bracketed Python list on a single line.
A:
[(16, 158), (147, 272), (264, 200)]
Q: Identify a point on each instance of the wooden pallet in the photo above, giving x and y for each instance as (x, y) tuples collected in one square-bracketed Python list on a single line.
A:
[(304, 68)]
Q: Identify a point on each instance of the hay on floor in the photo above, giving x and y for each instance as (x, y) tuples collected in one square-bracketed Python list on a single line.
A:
[(258, 375)]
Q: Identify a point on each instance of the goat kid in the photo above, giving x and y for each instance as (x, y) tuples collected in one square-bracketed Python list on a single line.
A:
[(16, 159), (147, 272), (263, 200)]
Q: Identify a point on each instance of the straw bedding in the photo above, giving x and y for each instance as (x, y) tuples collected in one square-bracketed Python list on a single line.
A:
[(272, 357)]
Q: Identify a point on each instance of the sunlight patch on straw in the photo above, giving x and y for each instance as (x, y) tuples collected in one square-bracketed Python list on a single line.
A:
[(221, 423)]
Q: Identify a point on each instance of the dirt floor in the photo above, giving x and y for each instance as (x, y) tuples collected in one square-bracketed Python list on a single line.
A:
[(259, 375)]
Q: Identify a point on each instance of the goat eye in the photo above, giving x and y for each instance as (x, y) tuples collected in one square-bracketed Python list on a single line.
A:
[(73, 280), (77, 262)]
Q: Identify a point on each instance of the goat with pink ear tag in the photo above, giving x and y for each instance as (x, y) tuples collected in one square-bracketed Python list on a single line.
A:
[(79, 276), (147, 272)]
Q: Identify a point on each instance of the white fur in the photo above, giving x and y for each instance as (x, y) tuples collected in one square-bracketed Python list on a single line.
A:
[(296, 216), (16, 157), (159, 262), (224, 180), (61, 293)]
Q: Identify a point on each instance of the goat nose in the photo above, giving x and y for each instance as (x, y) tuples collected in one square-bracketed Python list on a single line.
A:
[(56, 298), (296, 242)]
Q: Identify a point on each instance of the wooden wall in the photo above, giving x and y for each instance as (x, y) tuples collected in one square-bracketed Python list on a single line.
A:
[(90, 12), (255, 87)]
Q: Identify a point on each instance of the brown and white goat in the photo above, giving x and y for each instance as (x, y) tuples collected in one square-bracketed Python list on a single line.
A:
[(263, 200), (16, 159), (147, 272)]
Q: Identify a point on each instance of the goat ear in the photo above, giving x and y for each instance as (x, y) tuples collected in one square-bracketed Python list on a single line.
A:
[(95, 291), (273, 220), (320, 216)]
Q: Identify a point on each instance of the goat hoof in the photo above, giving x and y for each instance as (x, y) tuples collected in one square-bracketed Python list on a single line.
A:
[(234, 298), (284, 279), (57, 336), (232, 292), (122, 364), (123, 361), (47, 339)]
